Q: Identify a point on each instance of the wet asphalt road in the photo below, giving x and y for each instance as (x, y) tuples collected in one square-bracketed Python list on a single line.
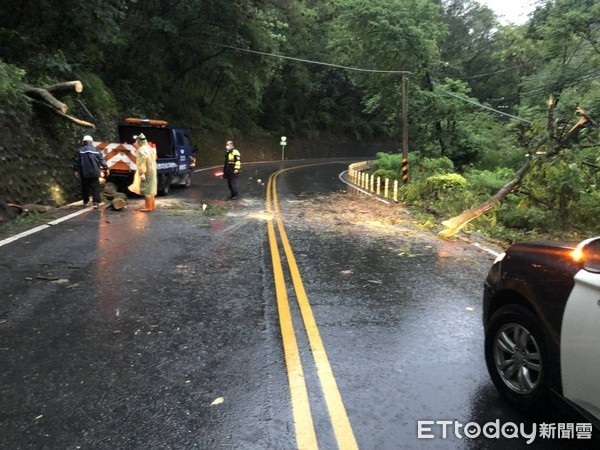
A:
[(121, 329)]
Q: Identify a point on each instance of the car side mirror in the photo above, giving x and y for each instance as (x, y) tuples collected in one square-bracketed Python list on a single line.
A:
[(590, 251)]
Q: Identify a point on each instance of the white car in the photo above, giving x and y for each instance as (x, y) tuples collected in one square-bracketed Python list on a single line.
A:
[(541, 315)]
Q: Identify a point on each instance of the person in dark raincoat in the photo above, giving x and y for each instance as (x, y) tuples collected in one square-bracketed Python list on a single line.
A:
[(87, 165)]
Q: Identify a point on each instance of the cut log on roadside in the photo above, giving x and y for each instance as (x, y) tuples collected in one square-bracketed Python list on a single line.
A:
[(119, 202), (46, 95), (32, 207), (22, 210), (65, 88), (110, 189)]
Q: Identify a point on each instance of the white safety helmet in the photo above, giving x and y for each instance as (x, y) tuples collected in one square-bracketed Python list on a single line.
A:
[(87, 138)]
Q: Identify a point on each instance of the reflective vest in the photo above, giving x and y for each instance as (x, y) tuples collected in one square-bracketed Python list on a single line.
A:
[(234, 161)]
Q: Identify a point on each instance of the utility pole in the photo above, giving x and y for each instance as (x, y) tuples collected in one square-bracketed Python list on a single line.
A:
[(404, 130)]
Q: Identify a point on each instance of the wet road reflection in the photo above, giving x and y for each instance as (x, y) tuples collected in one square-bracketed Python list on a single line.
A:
[(168, 312)]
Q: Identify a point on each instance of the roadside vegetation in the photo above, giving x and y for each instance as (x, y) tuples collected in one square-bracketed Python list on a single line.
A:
[(560, 199), (478, 92)]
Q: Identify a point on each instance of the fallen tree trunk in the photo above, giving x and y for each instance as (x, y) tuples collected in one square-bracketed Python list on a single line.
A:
[(454, 224), (21, 209), (65, 88), (83, 123), (41, 94), (46, 95)]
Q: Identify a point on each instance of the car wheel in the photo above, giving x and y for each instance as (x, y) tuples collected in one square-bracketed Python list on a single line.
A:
[(164, 185), (515, 353)]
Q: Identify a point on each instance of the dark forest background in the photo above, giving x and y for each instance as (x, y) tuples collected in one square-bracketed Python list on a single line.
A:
[(172, 60)]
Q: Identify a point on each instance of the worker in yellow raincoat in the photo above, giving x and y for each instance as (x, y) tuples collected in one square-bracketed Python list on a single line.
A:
[(145, 179)]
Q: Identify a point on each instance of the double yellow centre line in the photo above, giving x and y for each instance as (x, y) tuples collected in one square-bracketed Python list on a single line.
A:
[(303, 423)]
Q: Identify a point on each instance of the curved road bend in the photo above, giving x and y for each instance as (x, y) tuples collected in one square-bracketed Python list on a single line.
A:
[(270, 322)]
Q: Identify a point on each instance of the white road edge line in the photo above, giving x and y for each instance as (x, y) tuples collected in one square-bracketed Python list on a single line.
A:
[(62, 219), (42, 227), (341, 177), (492, 252), (70, 216), (23, 234), (478, 245)]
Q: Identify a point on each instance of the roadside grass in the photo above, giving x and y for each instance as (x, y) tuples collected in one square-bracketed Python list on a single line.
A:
[(31, 218)]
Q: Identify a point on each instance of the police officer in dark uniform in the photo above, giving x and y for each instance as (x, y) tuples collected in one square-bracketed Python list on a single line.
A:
[(87, 165), (231, 169)]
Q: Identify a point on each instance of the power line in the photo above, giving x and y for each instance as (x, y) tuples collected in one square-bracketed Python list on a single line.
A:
[(569, 80), (506, 69), (255, 52), (485, 107), (274, 55)]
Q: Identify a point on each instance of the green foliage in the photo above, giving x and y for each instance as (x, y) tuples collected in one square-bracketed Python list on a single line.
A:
[(386, 173), (525, 217), (391, 162), (393, 35), (12, 101), (157, 58), (97, 95), (586, 212), (438, 185), (510, 157), (436, 165), (433, 183), (488, 182)]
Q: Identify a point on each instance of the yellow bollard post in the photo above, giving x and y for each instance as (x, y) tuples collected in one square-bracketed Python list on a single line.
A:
[(386, 189), (395, 190), (372, 182), (378, 186)]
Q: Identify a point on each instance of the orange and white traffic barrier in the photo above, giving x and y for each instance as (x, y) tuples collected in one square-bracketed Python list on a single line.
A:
[(118, 157)]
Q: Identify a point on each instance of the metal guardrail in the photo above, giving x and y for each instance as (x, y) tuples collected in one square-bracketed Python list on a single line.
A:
[(357, 174)]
